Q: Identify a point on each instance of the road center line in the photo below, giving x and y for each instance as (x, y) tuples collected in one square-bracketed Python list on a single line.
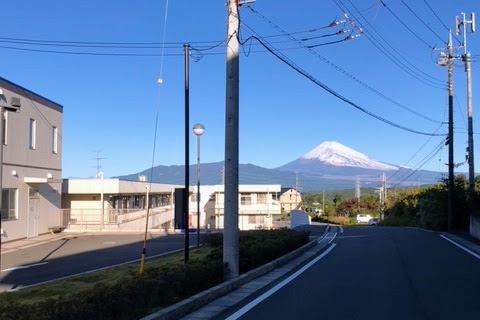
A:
[(461, 247), (25, 267), (267, 294)]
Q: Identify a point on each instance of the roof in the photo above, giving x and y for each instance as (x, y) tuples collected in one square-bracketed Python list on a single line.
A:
[(13, 87)]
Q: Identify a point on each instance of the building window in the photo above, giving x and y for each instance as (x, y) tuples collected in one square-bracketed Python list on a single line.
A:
[(54, 140), (9, 204), (261, 198), (32, 128), (4, 127), (245, 199), (252, 219)]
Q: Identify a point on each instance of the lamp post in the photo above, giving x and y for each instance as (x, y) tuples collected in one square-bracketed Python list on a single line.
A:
[(198, 130)]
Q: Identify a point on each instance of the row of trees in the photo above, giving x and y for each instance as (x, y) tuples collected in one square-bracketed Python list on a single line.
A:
[(425, 207)]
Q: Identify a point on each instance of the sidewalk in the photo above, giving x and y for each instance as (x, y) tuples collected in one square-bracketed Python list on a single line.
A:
[(26, 243)]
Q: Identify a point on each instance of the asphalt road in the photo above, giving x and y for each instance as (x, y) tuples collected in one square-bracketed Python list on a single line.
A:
[(379, 273), (74, 254)]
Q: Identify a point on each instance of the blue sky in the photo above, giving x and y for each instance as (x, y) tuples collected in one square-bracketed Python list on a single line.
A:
[(110, 102)]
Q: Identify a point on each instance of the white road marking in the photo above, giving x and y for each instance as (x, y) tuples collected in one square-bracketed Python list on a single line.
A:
[(25, 267), (341, 229), (267, 294), (461, 247), (332, 238), (327, 236)]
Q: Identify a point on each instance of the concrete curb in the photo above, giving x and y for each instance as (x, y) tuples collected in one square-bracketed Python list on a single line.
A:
[(201, 299)]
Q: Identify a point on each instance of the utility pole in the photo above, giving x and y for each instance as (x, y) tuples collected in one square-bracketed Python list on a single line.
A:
[(186, 48), (98, 166), (357, 193), (385, 185), (296, 190), (466, 59), (323, 201), (450, 133), (231, 234)]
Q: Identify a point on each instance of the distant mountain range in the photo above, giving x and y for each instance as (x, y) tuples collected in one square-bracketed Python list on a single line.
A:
[(330, 166)]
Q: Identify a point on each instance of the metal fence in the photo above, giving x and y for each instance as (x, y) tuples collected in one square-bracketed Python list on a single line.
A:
[(115, 218)]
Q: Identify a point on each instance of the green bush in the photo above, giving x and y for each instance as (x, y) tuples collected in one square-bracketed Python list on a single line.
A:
[(136, 295), (130, 298)]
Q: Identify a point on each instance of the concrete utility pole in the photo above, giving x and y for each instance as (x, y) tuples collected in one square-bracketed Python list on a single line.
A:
[(451, 176), (231, 233), (186, 48), (466, 59), (447, 60), (296, 190)]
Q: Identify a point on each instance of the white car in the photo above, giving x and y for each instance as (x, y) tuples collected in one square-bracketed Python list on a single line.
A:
[(363, 218), (373, 222)]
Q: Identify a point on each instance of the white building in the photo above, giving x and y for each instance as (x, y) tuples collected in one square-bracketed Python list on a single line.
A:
[(258, 206), (31, 163), (113, 204)]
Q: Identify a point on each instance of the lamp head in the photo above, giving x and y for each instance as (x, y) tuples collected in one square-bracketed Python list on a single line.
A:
[(198, 129)]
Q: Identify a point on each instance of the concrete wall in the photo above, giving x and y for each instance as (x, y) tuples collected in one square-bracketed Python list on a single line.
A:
[(475, 226), (299, 218), (41, 164)]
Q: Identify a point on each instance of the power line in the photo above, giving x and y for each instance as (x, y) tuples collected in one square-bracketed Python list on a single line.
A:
[(416, 152), (391, 56), (435, 14), (407, 27), (334, 93), (423, 162), (334, 66), (423, 22)]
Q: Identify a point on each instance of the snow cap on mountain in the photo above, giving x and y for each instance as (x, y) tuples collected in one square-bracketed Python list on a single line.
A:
[(336, 154)]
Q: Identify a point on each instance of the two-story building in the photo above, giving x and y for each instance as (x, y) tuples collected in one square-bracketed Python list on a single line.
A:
[(290, 199), (31, 163), (258, 207)]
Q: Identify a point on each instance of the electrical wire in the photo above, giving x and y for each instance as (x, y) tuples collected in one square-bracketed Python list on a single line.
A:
[(334, 66), (435, 14), (406, 26), (423, 22), (416, 152), (435, 83), (331, 91), (423, 162)]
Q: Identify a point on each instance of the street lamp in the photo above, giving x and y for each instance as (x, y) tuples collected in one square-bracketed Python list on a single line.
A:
[(198, 130)]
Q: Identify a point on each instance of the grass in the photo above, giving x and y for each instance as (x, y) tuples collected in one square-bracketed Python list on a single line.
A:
[(84, 282), (122, 293)]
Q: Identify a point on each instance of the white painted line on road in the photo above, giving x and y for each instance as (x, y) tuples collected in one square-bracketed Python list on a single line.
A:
[(329, 235), (25, 267), (341, 229), (332, 238), (461, 247), (267, 294)]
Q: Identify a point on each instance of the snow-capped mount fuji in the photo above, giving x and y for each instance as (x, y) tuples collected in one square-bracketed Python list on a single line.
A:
[(335, 158), (337, 154)]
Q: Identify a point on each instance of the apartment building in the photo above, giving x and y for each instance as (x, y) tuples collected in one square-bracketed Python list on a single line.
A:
[(258, 207), (31, 163)]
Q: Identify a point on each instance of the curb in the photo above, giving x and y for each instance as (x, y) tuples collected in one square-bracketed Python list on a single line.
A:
[(201, 299)]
